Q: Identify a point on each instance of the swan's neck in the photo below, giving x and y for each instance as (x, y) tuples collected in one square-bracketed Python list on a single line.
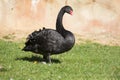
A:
[(59, 25)]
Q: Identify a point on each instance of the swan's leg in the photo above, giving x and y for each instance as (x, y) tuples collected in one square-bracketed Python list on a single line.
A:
[(46, 57)]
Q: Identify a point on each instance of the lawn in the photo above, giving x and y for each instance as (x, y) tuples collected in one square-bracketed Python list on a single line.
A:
[(88, 61)]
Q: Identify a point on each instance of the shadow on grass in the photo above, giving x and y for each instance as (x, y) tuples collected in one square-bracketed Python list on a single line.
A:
[(2, 69), (38, 59)]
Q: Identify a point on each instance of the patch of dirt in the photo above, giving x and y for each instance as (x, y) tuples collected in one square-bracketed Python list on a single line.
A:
[(105, 38)]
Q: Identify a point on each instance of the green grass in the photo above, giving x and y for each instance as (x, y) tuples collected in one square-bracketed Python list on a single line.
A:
[(88, 61)]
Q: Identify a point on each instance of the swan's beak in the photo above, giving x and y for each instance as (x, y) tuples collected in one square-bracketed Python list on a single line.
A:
[(71, 12)]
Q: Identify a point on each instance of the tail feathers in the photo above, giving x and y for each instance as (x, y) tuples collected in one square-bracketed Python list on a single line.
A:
[(34, 34), (43, 28)]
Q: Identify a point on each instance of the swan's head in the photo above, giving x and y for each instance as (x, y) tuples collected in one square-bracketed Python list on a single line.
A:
[(68, 10)]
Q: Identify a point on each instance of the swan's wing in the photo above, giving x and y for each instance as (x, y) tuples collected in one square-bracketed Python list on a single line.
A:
[(49, 40), (46, 40)]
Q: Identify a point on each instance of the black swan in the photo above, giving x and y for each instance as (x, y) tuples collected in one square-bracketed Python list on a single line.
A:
[(49, 41)]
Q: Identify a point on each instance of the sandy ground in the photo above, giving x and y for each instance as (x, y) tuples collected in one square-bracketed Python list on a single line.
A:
[(104, 38)]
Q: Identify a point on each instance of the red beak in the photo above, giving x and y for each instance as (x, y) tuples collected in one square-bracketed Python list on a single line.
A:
[(71, 12)]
